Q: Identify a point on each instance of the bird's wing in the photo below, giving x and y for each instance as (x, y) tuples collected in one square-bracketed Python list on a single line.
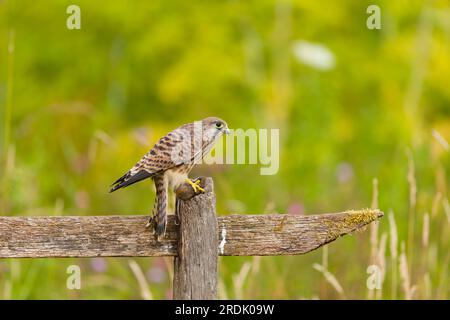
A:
[(172, 150)]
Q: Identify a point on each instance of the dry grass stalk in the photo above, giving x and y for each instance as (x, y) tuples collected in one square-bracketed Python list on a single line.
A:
[(256, 266), (425, 230), (440, 139), (222, 290), (381, 259), (239, 280), (373, 232), (146, 294), (408, 289), (331, 279), (393, 246), (411, 177)]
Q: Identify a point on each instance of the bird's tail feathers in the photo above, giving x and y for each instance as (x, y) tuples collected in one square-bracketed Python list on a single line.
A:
[(160, 227), (129, 178)]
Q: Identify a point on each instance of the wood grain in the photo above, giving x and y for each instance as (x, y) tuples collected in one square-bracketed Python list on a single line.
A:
[(195, 266), (126, 236)]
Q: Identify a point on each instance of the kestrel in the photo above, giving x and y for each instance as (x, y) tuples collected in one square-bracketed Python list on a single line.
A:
[(169, 162)]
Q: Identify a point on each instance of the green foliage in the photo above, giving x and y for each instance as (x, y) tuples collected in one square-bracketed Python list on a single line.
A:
[(86, 104)]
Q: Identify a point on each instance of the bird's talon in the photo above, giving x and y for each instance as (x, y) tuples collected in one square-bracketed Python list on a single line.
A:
[(196, 186)]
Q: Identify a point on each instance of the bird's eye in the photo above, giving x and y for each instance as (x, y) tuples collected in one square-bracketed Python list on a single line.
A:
[(219, 125)]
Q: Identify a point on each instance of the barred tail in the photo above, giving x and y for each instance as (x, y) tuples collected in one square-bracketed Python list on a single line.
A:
[(129, 178), (160, 208)]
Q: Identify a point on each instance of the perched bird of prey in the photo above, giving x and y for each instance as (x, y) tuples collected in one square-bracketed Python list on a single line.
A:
[(169, 162)]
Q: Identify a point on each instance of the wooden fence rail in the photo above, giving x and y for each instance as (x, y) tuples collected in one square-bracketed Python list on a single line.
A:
[(195, 242)]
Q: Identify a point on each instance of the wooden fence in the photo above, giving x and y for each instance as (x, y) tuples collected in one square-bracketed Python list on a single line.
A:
[(195, 242)]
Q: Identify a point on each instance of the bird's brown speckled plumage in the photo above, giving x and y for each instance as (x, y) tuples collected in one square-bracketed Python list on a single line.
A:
[(170, 160)]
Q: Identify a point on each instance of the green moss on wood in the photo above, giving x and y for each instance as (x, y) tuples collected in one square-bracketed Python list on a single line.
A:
[(351, 221)]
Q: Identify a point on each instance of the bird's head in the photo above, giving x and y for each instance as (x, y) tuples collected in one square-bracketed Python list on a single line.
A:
[(214, 127)]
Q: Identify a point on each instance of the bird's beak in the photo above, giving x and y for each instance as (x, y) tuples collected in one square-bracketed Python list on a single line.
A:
[(227, 131)]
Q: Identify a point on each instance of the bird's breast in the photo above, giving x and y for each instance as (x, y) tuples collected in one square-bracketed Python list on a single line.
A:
[(178, 175)]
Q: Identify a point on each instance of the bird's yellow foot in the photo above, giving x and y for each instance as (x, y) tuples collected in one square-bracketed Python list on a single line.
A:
[(196, 186)]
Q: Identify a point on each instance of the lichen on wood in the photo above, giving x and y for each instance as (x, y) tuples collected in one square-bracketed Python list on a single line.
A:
[(124, 236)]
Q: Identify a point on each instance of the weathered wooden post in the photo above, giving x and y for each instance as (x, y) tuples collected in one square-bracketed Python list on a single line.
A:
[(195, 266)]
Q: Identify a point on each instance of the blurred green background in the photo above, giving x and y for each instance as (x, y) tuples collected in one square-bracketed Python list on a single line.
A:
[(364, 119)]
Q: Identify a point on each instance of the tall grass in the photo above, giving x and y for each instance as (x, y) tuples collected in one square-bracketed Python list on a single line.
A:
[(408, 288), (381, 259), (331, 279), (393, 246), (374, 234), (145, 292), (412, 202)]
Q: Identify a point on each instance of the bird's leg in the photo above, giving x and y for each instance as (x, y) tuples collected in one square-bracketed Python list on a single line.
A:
[(151, 222), (195, 184)]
